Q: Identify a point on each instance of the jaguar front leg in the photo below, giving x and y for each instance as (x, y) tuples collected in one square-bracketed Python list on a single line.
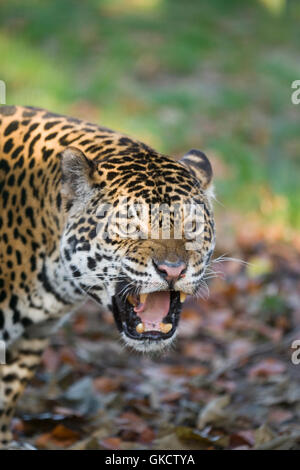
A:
[(22, 362)]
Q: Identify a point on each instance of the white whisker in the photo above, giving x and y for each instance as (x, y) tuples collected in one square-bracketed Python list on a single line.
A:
[(222, 258)]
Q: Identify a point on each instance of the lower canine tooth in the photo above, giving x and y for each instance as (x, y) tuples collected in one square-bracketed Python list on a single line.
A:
[(183, 296), (140, 328), (165, 327)]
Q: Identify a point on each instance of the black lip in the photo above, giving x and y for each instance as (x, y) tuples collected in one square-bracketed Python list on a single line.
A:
[(127, 320)]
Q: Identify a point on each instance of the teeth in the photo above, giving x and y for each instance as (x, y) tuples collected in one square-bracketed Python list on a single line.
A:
[(165, 327), (140, 328), (131, 300), (183, 296), (143, 298)]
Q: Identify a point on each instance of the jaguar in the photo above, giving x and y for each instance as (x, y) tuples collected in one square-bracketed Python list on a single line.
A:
[(73, 226)]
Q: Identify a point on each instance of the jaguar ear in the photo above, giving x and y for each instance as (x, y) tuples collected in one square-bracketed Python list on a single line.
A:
[(199, 165), (77, 174)]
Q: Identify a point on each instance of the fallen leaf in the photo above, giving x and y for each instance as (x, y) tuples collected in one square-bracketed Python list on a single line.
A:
[(61, 432), (213, 411), (60, 436), (242, 438), (170, 397), (279, 415), (188, 434), (263, 435), (106, 384), (111, 443), (203, 351), (172, 442), (239, 347), (267, 368)]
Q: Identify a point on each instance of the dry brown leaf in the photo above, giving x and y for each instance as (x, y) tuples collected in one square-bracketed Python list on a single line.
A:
[(242, 438), (60, 436), (266, 368), (111, 443), (106, 384)]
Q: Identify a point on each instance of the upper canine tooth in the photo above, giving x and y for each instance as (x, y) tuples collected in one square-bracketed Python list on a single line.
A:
[(131, 300), (165, 327), (143, 298), (140, 328), (183, 296)]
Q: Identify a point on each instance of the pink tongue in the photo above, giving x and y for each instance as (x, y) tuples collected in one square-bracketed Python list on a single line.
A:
[(154, 310)]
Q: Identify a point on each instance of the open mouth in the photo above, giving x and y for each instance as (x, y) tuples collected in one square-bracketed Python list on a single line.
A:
[(152, 316)]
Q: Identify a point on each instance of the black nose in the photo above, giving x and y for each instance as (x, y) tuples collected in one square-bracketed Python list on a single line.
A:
[(171, 271)]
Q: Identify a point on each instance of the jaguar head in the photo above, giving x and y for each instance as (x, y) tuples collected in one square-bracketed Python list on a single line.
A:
[(138, 237)]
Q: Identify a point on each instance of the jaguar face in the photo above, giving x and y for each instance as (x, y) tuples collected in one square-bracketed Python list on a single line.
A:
[(142, 257)]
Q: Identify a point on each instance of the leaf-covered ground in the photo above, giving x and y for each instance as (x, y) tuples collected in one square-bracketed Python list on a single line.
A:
[(229, 382)]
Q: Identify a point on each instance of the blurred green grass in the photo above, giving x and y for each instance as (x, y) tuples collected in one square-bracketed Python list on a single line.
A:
[(209, 74)]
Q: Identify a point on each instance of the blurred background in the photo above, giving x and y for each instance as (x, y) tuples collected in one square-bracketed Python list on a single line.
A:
[(214, 75)]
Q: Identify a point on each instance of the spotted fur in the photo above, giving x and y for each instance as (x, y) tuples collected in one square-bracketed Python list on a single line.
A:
[(55, 172)]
